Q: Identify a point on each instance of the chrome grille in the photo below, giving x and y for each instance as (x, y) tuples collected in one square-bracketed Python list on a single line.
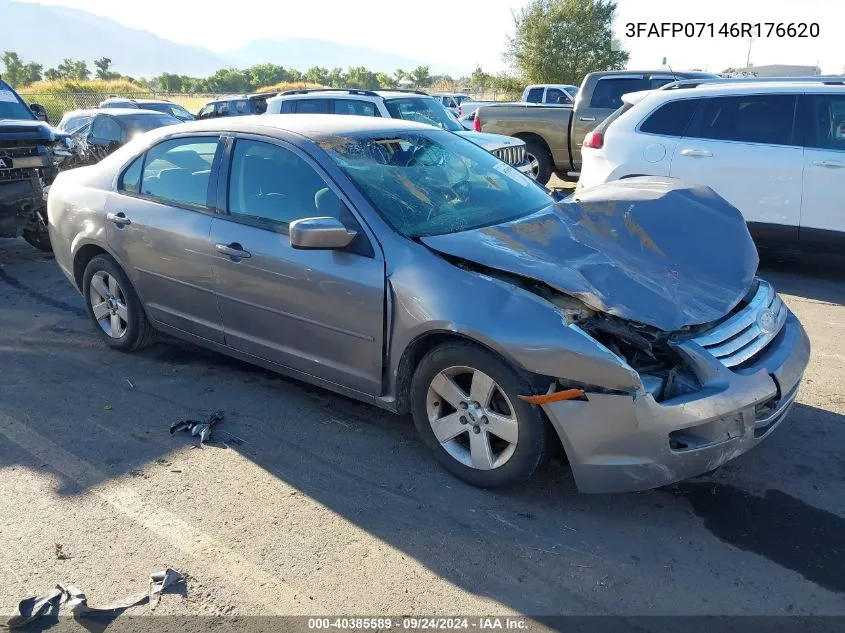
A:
[(513, 155), (747, 332), (8, 175)]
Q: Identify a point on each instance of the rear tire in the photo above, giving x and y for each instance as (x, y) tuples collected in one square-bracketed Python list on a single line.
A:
[(465, 405), (538, 152), (114, 306)]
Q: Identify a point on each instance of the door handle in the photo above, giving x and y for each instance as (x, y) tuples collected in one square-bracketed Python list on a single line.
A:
[(586, 118), (233, 250), (829, 163), (118, 218), (696, 153)]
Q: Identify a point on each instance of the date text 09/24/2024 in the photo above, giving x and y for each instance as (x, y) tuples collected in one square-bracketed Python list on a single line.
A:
[(418, 623), (726, 29)]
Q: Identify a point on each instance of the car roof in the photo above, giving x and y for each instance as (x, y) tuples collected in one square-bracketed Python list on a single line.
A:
[(131, 100), (118, 112), (740, 87), (312, 126)]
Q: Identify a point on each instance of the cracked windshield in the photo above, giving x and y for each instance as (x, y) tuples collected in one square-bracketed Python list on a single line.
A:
[(431, 183)]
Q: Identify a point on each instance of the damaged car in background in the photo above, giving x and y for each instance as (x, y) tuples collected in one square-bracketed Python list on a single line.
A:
[(409, 268), (30, 154), (94, 134)]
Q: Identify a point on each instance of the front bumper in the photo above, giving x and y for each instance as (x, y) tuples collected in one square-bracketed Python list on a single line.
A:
[(619, 443)]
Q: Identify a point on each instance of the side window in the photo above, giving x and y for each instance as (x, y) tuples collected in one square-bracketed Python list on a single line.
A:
[(240, 107), (206, 111), (312, 106), (449, 102), (105, 128), (655, 82), (272, 186), (351, 106), (535, 95), (287, 107), (221, 108), (130, 181), (827, 122), (553, 95), (179, 170), (751, 119), (671, 119), (608, 91)]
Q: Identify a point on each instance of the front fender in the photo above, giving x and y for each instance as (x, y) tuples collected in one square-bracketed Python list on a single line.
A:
[(431, 295)]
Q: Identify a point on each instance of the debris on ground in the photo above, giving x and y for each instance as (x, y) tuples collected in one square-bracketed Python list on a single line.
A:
[(60, 552), (129, 382), (202, 429), (107, 407), (73, 601)]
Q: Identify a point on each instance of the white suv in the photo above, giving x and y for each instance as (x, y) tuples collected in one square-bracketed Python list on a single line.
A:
[(775, 150), (411, 105)]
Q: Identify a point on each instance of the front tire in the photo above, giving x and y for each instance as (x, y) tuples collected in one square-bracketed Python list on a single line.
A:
[(465, 405), (541, 161), (113, 306)]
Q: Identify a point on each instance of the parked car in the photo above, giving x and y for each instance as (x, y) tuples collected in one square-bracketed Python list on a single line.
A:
[(451, 100), (97, 133), (550, 93), (30, 151), (398, 104), (159, 105), (404, 266), (774, 150), (554, 134), (236, 105)]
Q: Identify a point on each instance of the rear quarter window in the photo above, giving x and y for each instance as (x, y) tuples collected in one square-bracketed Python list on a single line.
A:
[(607, 95), (671, 119)]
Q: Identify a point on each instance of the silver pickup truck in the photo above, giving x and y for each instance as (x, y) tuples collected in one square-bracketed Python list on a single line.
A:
[(553, 134)]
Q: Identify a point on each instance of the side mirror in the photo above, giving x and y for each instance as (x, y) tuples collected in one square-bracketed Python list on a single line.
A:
[(320, 234), (39, 111)]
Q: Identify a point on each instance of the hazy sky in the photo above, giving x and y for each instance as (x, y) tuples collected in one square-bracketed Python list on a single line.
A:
[(462, 33)]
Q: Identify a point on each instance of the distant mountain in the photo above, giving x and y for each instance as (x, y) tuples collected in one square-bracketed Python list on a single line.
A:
[(48, 34), (307, 53)]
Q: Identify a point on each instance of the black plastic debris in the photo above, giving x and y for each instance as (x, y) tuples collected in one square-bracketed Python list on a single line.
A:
[(196, 427)]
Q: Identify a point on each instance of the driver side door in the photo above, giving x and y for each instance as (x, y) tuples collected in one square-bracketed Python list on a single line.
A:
[(320, 312)]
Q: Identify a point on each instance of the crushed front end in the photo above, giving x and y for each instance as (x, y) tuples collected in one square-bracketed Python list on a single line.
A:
[(29, 155), (708, 395)]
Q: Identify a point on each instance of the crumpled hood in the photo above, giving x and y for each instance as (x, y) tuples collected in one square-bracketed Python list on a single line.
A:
[(25, 130), (652, 250)]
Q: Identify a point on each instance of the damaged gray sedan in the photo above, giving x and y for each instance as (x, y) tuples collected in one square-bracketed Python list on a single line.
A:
[(408, 268)]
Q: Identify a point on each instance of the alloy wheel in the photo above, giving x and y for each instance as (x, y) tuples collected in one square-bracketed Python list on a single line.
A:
[(472, 418), (108, 304)]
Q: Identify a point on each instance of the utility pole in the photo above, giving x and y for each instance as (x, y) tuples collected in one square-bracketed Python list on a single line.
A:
[(748, 58)]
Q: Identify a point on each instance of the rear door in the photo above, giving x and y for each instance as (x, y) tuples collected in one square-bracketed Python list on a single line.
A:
[(823, 203), (605, 99), (311, 106), (747, 149), (159, 226), (320, 312)]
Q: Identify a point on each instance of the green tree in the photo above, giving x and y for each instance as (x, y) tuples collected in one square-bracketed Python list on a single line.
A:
[(384, 80), (102, 65), (73, 69), (52, 74), (337, 78), (361, 77), (399, 76), (14, 68), (227, 80), (317, 75), (560, 41), (479, 79), (167, 82), (266, 75), (420, 76), (31, 73)]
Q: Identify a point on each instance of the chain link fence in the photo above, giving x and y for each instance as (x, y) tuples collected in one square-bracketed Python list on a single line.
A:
[(58, 103)]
